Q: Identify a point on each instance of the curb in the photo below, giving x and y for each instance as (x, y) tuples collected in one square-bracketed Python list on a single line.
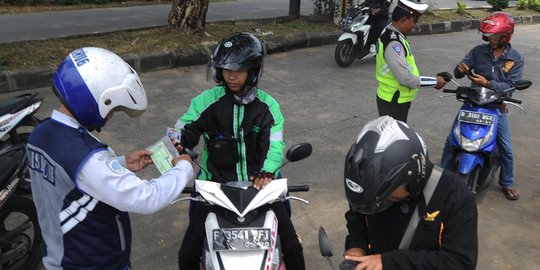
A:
[(37, 77)]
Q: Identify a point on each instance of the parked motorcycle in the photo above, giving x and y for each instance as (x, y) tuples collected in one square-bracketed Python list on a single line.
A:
[(352, 43), (21, 243), (241, 230), (474, 132)]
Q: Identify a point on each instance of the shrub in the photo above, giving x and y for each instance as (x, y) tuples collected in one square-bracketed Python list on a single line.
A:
[(534, 4), (324, 7), (498, 4), (461, 7), (523, 4)]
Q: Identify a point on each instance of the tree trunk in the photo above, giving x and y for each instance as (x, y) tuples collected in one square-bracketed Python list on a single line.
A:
[(188, 16)]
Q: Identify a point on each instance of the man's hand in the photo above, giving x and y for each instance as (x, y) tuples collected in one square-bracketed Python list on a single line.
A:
[(440, 83), (261, 179), (138, 160), (354, 252), (479, 79), (369, 262), (185, 157), (462, 68)]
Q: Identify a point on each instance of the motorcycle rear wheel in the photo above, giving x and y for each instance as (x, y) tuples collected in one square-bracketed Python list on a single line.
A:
[(23, 250), (344, 53)]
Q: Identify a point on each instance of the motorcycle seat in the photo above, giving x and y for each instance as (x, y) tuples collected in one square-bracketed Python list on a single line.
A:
[(15, 104)]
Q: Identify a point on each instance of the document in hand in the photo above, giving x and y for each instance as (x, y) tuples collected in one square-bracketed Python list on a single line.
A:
[(163, 152)]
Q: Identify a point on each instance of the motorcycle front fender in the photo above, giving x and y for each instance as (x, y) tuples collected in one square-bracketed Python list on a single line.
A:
[(468, 161), (350, 36)]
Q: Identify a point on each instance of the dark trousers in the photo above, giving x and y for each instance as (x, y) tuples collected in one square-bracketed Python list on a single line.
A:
[(396, 110), (189, 255), (377, 23)]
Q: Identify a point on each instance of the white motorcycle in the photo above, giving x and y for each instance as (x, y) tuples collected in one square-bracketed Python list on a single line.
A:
[(21, 243), (352, 43), (240, 229)]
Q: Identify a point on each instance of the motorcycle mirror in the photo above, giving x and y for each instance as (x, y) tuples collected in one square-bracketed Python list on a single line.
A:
[(523, 84), (325, 248), (299, 151), (295, 153)]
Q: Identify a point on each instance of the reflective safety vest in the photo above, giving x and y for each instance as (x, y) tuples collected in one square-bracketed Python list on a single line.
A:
[(388, 84)]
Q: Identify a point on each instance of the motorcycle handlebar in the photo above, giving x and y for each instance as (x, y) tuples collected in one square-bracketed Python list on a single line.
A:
[(298, 188), (513, 100), (188, 190), (449, 91)]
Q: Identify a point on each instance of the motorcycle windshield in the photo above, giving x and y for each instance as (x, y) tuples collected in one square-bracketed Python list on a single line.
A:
[(482, 95), (239, 196)]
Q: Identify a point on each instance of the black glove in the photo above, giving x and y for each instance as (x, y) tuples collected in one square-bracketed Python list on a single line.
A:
[(347, 265), (263, 174), (446, 76)]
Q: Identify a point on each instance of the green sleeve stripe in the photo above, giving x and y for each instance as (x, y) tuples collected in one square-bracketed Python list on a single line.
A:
[(274, 157)]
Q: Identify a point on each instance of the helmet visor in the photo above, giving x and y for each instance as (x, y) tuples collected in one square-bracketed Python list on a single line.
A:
[(379, 205), (488, 36)]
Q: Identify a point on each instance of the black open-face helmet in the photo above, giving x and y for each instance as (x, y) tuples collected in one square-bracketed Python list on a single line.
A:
[(387, 154), (239, 52)]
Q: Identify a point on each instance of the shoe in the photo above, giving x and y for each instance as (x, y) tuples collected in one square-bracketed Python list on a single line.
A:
[(510, 194), (372, 48)]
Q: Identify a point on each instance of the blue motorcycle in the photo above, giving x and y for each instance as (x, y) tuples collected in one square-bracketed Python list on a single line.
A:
[(474, 132)]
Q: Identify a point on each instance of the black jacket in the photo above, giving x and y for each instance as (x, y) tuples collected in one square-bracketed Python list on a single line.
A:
[(240, 139), (446, 238)]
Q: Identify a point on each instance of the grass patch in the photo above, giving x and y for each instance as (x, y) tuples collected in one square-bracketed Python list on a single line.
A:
[(52, 51)]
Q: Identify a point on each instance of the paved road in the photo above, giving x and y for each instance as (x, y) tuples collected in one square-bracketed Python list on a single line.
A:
[(326, 106), (32, 26)]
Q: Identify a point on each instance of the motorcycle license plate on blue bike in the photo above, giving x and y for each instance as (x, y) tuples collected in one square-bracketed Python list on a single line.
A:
[(476, 117), (241, 238)]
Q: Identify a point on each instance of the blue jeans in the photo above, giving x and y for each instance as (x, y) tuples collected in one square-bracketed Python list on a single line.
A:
[(504, 144)]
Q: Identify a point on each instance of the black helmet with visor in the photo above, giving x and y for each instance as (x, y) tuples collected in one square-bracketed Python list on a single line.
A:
[(239, 52), (387, 154)]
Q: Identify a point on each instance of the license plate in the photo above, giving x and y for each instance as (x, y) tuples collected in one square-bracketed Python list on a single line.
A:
[(241, 238), (476, 117)]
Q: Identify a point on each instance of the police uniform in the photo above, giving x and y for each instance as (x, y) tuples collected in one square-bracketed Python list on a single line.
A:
[(83, 192)]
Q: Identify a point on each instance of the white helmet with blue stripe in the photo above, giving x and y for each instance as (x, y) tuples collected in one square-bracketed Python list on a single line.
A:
[(91, 82)]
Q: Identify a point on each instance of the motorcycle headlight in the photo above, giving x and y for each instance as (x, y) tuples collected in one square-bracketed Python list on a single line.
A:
[(472, 145)]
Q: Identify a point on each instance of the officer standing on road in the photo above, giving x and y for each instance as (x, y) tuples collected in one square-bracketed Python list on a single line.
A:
[(83, 191), (396, 69), (405, 212)]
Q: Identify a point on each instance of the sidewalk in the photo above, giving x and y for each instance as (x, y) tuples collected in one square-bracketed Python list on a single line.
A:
[(40, 76)]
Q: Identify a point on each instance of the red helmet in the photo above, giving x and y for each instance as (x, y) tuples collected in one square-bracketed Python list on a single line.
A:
[(497, 23)]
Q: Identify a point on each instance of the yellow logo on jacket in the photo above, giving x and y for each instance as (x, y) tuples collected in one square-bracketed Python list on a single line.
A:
[(432, 216), (507, 66)]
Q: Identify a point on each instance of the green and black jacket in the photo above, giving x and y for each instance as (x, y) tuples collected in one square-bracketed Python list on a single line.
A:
[(239, 139)]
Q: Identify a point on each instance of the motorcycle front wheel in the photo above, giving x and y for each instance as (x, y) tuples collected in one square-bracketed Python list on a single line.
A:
[(472, 179), (22, 244), (344, 53)]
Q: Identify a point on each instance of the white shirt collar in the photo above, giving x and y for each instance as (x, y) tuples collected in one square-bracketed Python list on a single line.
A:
[(65, 119)]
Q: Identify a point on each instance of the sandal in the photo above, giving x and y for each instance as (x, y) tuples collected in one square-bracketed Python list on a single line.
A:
[(510, 194)]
